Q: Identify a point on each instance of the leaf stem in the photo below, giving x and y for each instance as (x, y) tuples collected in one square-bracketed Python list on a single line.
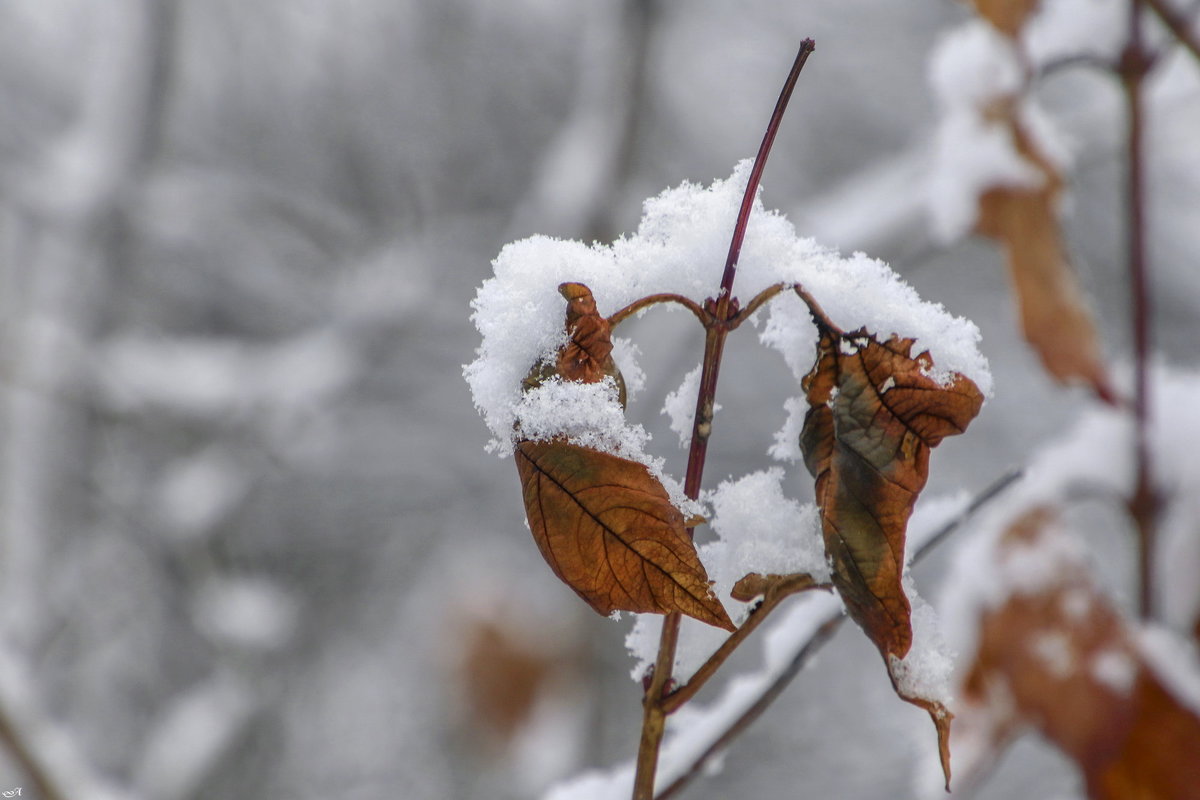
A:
[(666, 297), (771, 600), (756, 173), (724, 309), (1143, 505)]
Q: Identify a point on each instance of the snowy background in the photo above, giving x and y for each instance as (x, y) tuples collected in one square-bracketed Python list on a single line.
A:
[(251, 543)]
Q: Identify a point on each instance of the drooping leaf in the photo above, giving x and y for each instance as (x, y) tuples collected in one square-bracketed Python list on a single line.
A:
[(874, 413), (1057, 656), (608, 529), (1055, 318)]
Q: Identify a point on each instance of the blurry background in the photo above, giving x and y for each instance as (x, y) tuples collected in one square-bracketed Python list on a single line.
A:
[(250, 543)]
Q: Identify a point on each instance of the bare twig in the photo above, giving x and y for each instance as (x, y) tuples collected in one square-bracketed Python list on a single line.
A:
[(772, 692), (673, 701), (724, 308), (706, 319), (761, 299), (1143, 506), (1177, 24)]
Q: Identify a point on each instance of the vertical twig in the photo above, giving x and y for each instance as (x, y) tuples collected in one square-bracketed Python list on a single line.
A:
[(1143, 505), (64, 222), (1178, 24), (724, 309)]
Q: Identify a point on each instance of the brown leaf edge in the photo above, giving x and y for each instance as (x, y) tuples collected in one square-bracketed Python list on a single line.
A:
[(587, 355)]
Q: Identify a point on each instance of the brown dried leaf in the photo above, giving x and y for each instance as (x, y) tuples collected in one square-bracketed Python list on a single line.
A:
[(502, 677), (1055, 320), (1059, 657), (587, 356), (605, 524), (608, 529), (873, 415), (1007, 16)]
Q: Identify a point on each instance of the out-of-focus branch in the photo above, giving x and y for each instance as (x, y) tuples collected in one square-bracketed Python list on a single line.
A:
[(1177, 24), (67, 210), (591, 157), (1144, 504), (44, 749)]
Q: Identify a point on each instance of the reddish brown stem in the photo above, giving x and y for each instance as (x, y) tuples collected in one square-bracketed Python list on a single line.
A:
[(706, 319), (1144, 503), (708, 669), (756, 173), (1178, 24), (724, 309)]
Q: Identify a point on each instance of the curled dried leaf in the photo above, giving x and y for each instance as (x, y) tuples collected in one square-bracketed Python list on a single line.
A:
[(874, 413), (587, 355)]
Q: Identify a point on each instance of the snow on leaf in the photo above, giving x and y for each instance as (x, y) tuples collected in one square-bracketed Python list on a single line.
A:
[(680, 247)]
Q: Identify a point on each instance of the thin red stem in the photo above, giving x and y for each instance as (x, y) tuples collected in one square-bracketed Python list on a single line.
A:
[(724, 310), (760, 163), (1144, 504)]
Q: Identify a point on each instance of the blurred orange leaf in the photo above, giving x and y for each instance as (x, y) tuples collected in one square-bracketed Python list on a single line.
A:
[(1057, 656), (608, 529), (1055, 319)]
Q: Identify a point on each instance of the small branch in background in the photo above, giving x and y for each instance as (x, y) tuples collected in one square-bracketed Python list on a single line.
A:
[(45, 750), (1178, 24), (724, 308), (1143, 506), (706, 319)]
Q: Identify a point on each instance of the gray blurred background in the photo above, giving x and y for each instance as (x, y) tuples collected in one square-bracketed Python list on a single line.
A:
[(252, 545)]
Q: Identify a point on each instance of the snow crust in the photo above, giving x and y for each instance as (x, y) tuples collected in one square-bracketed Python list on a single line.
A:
[(680, 406), (680, 247)]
